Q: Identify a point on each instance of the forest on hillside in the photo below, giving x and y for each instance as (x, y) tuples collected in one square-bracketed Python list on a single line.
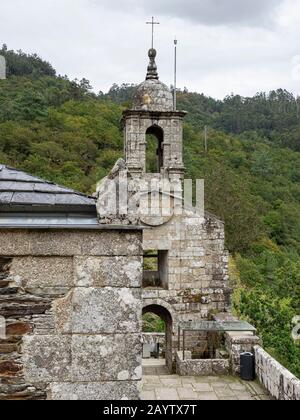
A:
[(60, 130)]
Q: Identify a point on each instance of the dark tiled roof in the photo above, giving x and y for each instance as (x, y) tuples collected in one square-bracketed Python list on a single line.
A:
[(21, 191)]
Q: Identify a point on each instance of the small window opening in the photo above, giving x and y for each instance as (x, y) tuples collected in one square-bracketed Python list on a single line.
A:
[(155, 269)]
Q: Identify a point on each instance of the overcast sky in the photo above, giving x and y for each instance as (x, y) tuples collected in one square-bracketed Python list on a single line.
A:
[(225, 46)]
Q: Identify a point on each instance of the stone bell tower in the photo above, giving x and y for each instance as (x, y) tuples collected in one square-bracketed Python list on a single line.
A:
[(185, 275), (153, 113)]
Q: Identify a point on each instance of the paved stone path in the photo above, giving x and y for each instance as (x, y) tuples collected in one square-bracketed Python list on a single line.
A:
[(174, 388)]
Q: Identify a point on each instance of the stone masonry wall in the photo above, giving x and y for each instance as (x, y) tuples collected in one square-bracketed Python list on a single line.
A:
[(72, 304), (197, 270), (280, 383)]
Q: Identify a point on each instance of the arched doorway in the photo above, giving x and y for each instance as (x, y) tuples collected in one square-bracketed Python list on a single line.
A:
[(154, 149), (165, 316)]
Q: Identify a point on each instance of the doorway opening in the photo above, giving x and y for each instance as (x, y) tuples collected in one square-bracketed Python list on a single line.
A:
[(157, 340)]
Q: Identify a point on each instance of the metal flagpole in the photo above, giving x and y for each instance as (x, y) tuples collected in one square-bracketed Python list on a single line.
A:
[(175, 75)]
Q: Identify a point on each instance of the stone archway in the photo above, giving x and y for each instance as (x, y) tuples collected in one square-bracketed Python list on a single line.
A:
[(166, 316)]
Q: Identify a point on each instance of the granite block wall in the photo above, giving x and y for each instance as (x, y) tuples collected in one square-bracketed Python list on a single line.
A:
[(72, 307), (198, 272)]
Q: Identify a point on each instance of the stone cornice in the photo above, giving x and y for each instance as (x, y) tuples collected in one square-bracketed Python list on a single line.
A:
[(153, 114)]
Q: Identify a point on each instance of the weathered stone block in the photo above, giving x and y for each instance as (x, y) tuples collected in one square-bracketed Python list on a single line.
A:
[(96, 311), (43, 271), (193, 368), (221, 367), (46, 358), (108, 271), (112, 243), (59, 243), (112, 391), (150, 294), (70, 243), (14, 243), (106, 358)]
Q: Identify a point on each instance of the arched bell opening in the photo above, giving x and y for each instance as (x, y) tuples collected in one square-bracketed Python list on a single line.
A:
[(154, 149)]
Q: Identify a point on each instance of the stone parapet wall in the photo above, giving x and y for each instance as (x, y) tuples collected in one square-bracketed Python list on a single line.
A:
[(210, 367), (278, 381), (73, 308)]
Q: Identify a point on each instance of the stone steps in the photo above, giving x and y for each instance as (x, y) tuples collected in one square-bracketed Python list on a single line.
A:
[(155, 370)]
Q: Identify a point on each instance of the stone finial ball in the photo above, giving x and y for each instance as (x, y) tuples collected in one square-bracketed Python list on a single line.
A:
[(152, 53)]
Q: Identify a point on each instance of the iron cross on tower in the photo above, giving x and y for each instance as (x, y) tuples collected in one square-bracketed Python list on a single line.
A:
[(153, 23)]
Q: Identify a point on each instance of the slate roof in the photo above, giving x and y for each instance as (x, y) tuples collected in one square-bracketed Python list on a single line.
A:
[(20, 191)]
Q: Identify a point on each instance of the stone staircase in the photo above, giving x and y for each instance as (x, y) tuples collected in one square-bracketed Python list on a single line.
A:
[(155, 367)]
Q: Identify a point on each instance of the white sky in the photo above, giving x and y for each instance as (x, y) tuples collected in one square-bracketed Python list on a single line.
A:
[(225, 46)]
